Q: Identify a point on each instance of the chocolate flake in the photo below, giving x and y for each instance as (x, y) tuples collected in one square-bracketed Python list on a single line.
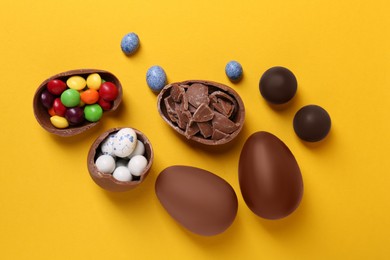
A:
[(191, 130), (224, 124), (198, 94), (218, 135), (206, 129), (203, 113)]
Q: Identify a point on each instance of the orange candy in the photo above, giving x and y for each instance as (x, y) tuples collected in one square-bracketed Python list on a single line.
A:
[(90, 96), (51, 111)]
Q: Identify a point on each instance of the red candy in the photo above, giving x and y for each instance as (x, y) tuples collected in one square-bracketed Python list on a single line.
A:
[(58, 107), (108, 91), (106, 105), (56, 86)]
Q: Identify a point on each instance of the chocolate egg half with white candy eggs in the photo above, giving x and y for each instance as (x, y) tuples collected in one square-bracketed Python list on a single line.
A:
[(69, 123), (206, 112), (120, 159)]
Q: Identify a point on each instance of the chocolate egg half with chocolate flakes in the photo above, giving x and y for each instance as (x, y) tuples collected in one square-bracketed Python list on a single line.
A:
[(269, 176), (43, 117), (199, 200), (107, 181), (203, 111)]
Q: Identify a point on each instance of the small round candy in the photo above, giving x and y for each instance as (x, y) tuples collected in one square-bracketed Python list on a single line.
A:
[(125, 142), (278, 85), (312, 123), (75, 115), (93, 113), (94, 81), (51, 111), (130, 43), (107, 146), (105, 164), (47, 99), (108, 91), (156, 78), (90, 96), (59, 121), (70, 98), (233, 70), (137, 165), (122, 173), (139, 149), (106, 105), (76, 82), (56, 86), (122, 162), (58, 107)]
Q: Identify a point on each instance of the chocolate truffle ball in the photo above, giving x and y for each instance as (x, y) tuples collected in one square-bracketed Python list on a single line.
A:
[(312, 123), (278, 85)]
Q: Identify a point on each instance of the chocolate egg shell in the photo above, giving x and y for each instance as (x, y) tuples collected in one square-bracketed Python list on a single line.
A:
[(199, 200), (106, 181), (213, 114), (42, 115), (269, 176)]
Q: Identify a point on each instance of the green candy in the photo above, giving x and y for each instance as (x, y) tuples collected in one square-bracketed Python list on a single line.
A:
[(70, 98), (93, 112)]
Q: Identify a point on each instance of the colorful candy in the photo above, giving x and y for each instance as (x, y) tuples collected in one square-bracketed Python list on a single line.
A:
[(156, 78), (234, 71), (130, 43), (78, 99)]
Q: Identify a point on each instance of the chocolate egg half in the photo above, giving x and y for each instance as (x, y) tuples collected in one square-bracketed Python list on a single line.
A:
[(269, 176), (107, 181), (43, 117), (206, 112), (199, 200)]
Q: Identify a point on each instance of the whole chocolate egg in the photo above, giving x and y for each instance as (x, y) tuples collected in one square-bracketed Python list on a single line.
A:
[(199, 200), (269, 176)]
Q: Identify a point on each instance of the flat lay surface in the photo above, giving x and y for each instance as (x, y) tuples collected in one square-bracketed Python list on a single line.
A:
[(339, 53)]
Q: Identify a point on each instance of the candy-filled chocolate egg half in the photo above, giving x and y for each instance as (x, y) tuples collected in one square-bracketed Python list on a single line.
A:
[(199, 200), (203, 111), (120, 159), (74, 101), (269, 176)]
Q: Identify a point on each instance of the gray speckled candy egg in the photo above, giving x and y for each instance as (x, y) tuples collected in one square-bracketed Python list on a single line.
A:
[(107, 146), (125, 142)]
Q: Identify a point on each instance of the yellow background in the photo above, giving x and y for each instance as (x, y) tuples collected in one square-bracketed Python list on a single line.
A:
[(339, 52)]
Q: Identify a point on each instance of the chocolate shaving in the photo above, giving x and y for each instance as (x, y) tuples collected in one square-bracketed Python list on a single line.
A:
[(203, 114)]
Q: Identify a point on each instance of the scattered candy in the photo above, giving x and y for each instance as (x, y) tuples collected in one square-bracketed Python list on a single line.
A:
[(76, 82), (130, 43), (59, 121), (70, 98), (93, 113), (105, 164), (233, 70), (156, 78)]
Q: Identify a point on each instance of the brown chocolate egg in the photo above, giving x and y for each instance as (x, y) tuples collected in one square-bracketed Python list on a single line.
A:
[(41, 112), (107, 181), (206, 112), (269, 176), (199, 200)]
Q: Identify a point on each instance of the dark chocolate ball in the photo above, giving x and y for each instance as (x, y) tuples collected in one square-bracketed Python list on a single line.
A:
[(278, 85), (312, 123)]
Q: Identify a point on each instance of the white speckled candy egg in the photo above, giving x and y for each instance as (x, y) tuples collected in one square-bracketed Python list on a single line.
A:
[(137, 165), (105, 164), (125, 142), (122, 173), (107, 146), (139, 149)]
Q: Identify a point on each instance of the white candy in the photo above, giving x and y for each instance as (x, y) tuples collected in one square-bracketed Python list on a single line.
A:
[(137, 165), (122, 173), (107, 146), (139, 149), (105, 164), (125, 142), (122, 162)]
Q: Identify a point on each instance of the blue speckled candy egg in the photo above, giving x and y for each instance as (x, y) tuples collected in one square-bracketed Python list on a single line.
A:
[(233, 70), (130, 43), (156, 78), (125, 142), (107, 146)]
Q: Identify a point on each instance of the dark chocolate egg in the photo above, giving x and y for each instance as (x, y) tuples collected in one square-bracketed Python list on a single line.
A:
[(269, 176), (199, 200)]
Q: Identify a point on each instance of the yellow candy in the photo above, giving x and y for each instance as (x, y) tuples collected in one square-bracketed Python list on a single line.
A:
[(76, 82), (59, 121), (94, 81)]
